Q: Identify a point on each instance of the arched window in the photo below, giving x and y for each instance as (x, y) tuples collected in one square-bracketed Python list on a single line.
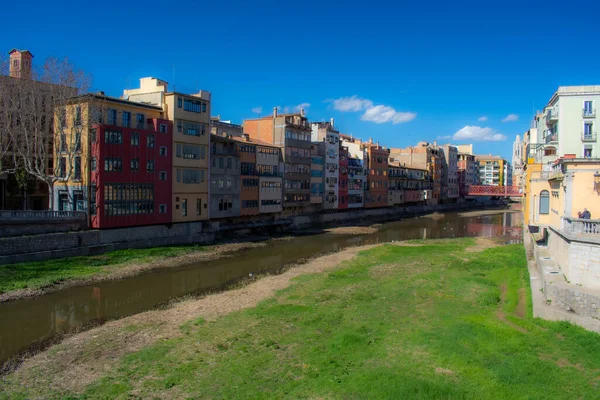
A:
[(544, 202)]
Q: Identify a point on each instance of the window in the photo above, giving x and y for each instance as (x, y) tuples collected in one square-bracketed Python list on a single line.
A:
[(190, 176), (150, 141), (179, 102), (162, 175), (63, 142), (587, 108), (588, 129), (62, 167), (128, 199), (202, 153), (135, 164), (93, 164), (113, 137), (112, 164), (198, 206), (77, 176), (63, 200), (126, 116), (93, 135), (249, 203), (221, 162), (163, 128), (78, 204), (135, 139), (247, 169), (192, 106), (77, 116), (203, 107), (112, 116), (184, 207), (544, 202), (93, 199), (163, 150), (587, 152), (179, 126), (162, 209), (139, 118), (150, 166), (229, 161)]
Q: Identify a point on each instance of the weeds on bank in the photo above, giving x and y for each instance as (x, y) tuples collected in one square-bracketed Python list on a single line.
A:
[(35, 275)]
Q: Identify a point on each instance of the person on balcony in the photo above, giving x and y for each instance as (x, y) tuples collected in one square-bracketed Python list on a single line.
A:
[(586, 214)]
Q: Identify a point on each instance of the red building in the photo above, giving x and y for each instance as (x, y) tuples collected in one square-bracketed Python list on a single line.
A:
[(343, 180), (128, 149)]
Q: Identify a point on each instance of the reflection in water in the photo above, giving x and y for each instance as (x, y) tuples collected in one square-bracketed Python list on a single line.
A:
[(30, 321)]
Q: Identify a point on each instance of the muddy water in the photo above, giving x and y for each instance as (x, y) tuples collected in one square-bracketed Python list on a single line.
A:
[(25, 323)]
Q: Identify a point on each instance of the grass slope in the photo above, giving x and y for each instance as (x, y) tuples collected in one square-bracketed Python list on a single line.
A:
[(429, 321), (35, 275)]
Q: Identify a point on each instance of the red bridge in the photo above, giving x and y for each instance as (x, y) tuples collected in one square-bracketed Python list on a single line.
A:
[(497, 191)]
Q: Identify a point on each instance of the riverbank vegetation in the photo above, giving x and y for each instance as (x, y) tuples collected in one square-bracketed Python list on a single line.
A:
[(35, 278), (427, 319)]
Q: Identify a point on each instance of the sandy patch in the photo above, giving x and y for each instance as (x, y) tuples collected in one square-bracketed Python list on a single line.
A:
[(352, 230), (481, 244), (85, 357), (131, 269)]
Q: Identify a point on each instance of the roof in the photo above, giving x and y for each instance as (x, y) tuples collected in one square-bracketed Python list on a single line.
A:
[(113, 100), (257, 142), (20, 51)]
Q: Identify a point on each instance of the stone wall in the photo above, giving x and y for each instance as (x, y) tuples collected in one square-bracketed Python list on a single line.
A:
[(571, 298), (578, 257), (82, 243)]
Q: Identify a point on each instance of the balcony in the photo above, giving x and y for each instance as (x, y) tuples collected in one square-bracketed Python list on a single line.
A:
[(588, 137), (551, 116), (581, 226), (552, 138), (588, 113), (556, 176)]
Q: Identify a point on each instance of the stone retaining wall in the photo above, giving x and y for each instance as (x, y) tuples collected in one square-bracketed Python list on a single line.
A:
[(571, 298)]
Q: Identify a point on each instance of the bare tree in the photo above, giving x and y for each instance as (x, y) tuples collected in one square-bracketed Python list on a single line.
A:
[(39, 133)]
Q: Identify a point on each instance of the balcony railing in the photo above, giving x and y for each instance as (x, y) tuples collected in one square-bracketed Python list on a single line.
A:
[(556, 175), (581, 226), (588, 137), (588, 113), (551, 138), (551, 115)]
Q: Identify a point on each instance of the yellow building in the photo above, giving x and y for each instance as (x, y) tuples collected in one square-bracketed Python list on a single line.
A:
[(190, 114), (494, 170)]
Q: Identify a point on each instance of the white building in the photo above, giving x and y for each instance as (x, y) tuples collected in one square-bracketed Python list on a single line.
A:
[(328, 141), (517, 162), (569, 122)]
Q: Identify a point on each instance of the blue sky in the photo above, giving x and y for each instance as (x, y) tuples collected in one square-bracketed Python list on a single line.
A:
[(399, 73)]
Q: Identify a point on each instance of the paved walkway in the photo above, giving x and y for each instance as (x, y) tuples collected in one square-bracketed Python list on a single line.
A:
[(554, 313)]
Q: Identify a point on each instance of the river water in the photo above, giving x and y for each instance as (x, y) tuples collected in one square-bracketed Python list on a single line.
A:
[(26, 323)]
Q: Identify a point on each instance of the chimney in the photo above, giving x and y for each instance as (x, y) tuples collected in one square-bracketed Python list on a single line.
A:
[(435, 143), (302, 113), (20, 64), (370, 140), (274, 111), (101, 93), (331, 121), (247, 137)]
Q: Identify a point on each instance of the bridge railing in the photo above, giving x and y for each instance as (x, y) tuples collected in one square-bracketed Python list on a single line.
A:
[(487, 190)]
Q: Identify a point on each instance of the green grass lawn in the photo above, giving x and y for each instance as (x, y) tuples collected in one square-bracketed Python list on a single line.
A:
[(397, 322), (35, 275)]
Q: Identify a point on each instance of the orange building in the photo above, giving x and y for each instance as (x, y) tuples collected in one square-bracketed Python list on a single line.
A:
[(376, 194)]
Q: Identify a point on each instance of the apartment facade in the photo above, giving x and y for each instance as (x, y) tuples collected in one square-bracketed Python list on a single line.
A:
[(426, 156), (493, 170), (570, 121), (376, 194), (327, 138), (225, 174), (517, 162), (316, 178), (120, 172), (449, 173), (269, 166), (190, 115), (343, 178), (468, 173), (292, 134), (357, 178)]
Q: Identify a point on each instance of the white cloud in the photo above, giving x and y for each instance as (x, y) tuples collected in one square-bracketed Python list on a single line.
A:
[(301, 106), (353, 103), (511, 118), (482, 119), (444, 137), (257, 110), (382, 114), (379, 114), (478, 134)]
